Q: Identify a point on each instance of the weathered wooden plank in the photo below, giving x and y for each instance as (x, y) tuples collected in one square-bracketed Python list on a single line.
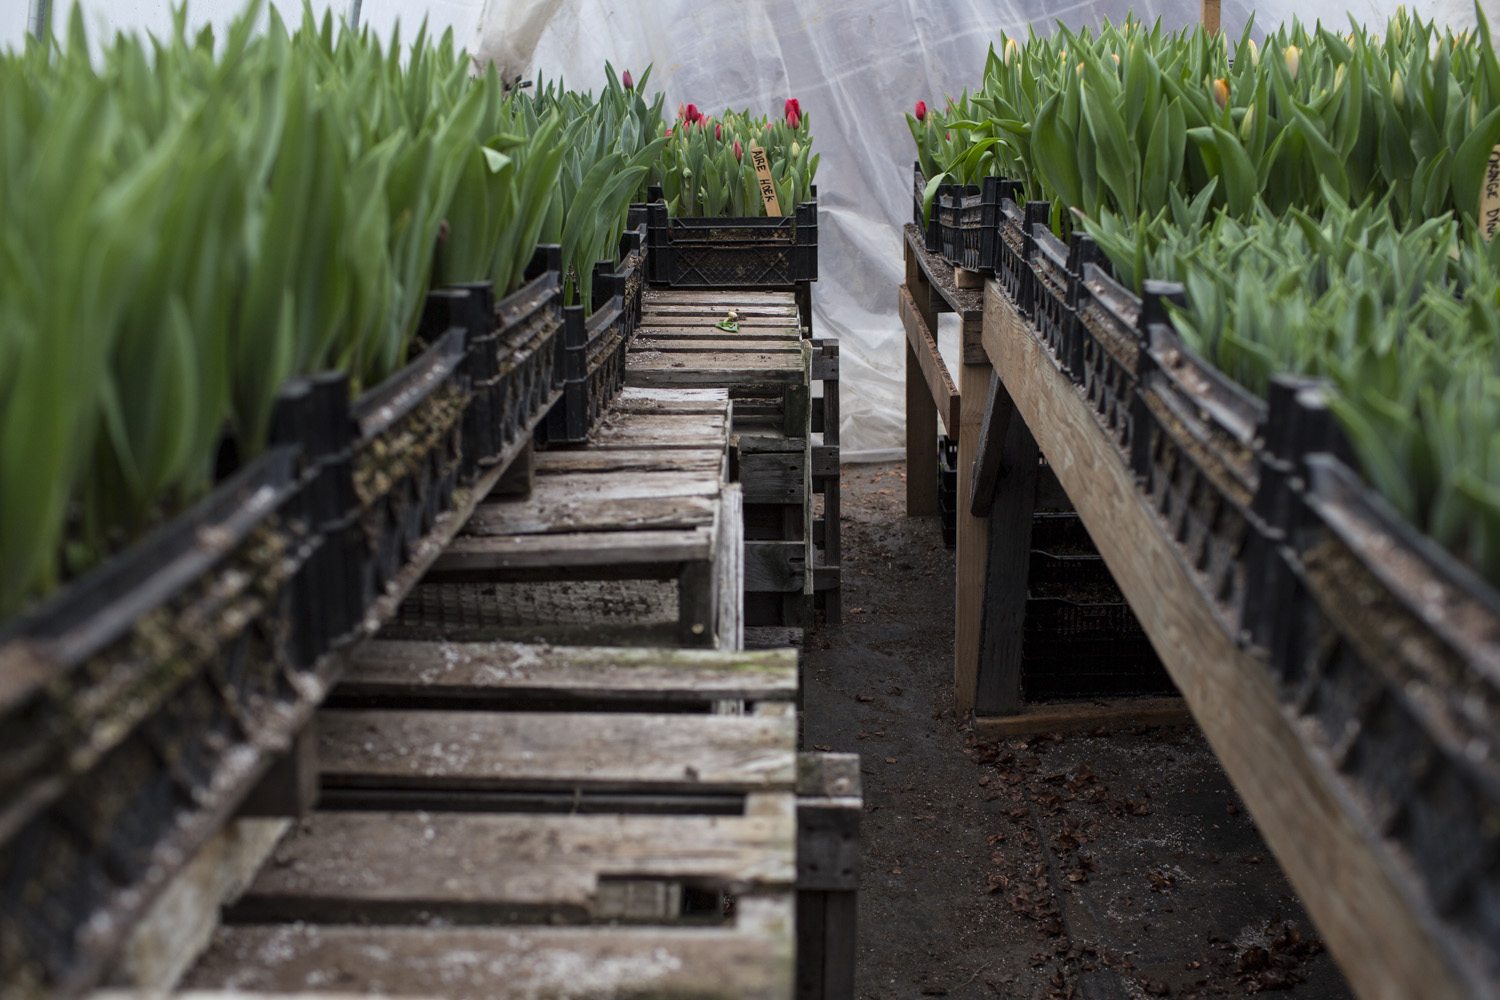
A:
[(775, 567), (688, 399), (486, 553), (657, 368), (730, 565), (589, 513), (585, 751), (941, 392), (667, 296), (661, 430), (1358, 895), (1085, 716), (726, 344), (752, 334), (628, 484), (708, 308), (750, 959), (771, 477), (483, 672), (707, 322), (590, 461), (177, 927), (396, 867)]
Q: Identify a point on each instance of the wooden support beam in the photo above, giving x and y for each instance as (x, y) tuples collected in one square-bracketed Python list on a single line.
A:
[(988, 464), (1085, 716), (998, 689), (921, 416), (829, 803), (922, 341), (289, 790), (973, 545), (1361, 898)]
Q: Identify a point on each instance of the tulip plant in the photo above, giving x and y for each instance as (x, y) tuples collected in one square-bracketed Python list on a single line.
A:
[(705, 169), (187, 222), (1115, 120), (1404, 321), (609, 145)]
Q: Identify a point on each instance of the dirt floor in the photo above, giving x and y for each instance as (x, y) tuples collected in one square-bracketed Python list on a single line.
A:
[(1100, 866)]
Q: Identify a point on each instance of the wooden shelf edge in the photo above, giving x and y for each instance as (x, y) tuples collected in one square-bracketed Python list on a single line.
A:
[(925, 346)]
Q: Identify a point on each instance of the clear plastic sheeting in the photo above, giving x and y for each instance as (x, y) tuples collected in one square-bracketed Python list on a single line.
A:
[(856, 66)]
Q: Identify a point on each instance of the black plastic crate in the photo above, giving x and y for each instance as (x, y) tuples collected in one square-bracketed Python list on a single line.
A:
[(948, 488), (312, 414), (1071, 669), (927, 222), (779, 252), (407, 457), (1391, 648), (966, 220), (1109, 327), (1195, 453), (593, 352), (634, 267), (1056, 618), (1051, 288), (510, 356), (142, 703), (1060, 533), (1074, 575), (1013, 250)]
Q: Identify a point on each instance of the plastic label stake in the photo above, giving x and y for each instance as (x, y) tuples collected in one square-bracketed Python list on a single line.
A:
[(1489, 196), (762, 166)]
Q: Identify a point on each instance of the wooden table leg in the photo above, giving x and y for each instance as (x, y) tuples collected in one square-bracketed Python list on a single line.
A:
[(921, 442), (973, 543)]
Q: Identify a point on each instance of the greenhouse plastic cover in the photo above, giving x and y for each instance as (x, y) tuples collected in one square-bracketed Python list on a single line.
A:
[(856, 66)]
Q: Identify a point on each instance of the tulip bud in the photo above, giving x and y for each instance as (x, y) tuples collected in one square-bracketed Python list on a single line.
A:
[(1254, 52), (738, 151), (1398, 90), (667, 134), (796, 148), (1079, 70), (1247, 125), (1221, 92), (793, 112), (1293, 57), (719, 132), (921, 111), (1339, 75), (1011, 49), (1474, 114), (1116, 57), (628, 80)]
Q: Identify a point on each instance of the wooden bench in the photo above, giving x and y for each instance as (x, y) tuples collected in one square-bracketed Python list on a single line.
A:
[(503, 820), (645, 502)]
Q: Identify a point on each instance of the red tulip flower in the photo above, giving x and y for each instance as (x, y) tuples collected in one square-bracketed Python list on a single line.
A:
[(719, 132), (628, 80), (667, 134), (738, 152), (793, 112), (921, 111), (694, 115)]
